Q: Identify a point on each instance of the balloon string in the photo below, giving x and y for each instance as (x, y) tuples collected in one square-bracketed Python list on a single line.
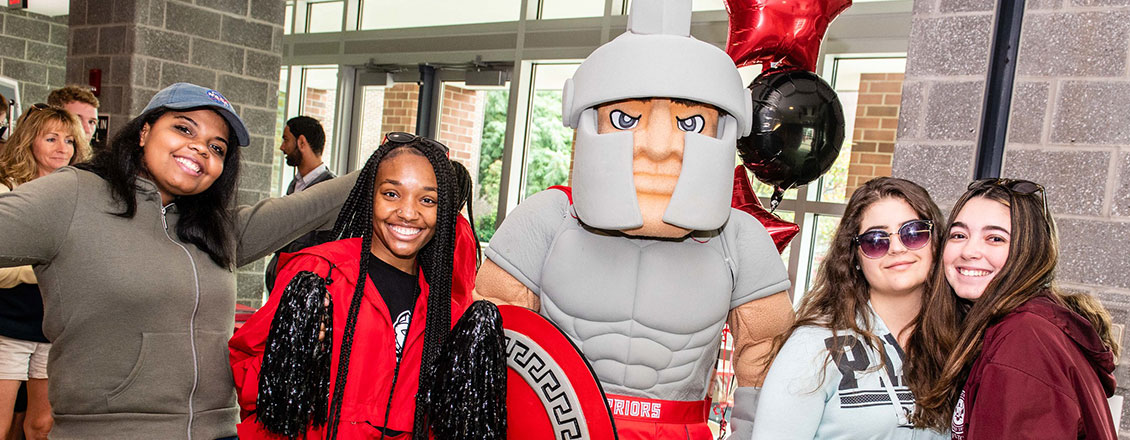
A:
[(778, 195)]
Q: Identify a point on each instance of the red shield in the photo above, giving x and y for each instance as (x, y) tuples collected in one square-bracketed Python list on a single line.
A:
[(551, 391)]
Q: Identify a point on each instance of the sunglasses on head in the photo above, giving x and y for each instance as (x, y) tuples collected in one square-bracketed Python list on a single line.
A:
[(400, 137), (913, 235), (1015, 187)]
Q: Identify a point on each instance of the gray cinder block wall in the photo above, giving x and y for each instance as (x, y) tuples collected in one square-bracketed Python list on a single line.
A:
[(32, 50), (233, 46), (1069, 126)]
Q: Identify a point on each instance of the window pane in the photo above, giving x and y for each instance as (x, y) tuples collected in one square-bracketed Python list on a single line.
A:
[(572, 8), (372, 110), (384, 110), (707, 5), (313, 92), (325, 17), (825, 230), (870, 90), (788, 216), (472, 123), (288, 19), (490, 163), (550, 149), (319, 101), (701, 5), (392, 14), (278, 167)]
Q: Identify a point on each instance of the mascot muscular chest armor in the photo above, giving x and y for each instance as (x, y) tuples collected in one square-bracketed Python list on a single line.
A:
[(643, 263)]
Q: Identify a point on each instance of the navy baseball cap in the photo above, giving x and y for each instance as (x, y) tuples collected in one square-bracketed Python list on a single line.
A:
[(183, 96)]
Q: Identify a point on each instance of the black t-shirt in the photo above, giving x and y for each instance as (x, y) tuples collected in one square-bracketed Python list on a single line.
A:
[(398, 289), (21, 313)]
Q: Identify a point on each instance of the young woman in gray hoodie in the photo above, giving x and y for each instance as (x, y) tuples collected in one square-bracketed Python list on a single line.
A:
[(135, 254)]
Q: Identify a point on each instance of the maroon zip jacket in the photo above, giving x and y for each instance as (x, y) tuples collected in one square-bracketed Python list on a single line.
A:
[(1043, 373)]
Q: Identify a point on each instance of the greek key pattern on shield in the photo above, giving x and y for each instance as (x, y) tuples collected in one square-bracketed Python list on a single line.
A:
[(528, 359)]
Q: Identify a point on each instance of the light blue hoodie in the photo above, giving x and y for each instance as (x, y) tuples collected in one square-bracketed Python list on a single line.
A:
[(860, 396)]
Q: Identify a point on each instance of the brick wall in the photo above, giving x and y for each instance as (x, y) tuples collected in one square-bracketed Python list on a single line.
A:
[(234, 47), (461, 125), (400, 108), (876, 122), (372, 132), (319, 104), (33, 51), (460, 122)]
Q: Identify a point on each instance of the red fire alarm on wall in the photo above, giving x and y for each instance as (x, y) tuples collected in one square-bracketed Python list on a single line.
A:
[(95, 81)]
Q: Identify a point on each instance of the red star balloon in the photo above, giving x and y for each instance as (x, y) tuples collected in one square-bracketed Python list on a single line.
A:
[(785, 31), (744, 199)]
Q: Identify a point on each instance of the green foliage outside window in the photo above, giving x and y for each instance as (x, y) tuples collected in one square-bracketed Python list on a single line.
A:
[(551, 145)]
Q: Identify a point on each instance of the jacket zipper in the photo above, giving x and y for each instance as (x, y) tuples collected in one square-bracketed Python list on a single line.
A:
[(191, 320)]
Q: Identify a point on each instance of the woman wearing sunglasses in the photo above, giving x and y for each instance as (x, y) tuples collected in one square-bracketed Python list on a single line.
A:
[(837, 373), (1005, 354)]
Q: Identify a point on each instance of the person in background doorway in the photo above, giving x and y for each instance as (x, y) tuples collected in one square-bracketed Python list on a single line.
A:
[(47, 138), (80, 102), (302, 144)]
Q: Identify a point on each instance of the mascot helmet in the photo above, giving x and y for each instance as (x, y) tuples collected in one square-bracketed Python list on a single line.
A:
[(655, 58)]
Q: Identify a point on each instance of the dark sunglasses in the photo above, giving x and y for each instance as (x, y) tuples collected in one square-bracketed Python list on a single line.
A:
[(400, 137), (1015, 187), (913, 235), (31, 111)]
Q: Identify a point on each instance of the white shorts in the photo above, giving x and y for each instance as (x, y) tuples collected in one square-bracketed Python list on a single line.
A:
[(21, 360)]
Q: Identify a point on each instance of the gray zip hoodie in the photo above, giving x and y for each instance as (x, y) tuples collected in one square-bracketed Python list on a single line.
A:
[(140, 320)]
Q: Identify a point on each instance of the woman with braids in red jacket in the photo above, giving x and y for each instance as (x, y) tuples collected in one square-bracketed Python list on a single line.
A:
[(392, 293)]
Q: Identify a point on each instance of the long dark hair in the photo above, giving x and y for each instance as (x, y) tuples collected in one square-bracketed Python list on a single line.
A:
[(205, 218), (953, 329), (436, 259), (465, 186), (840, 293)]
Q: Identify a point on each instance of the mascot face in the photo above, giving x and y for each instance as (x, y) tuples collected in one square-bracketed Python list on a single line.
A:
[(659, 127)]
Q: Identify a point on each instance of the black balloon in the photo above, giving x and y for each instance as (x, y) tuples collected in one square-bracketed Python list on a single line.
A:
[(798, 128)]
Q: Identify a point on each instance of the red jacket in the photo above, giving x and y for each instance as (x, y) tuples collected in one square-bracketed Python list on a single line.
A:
[(1043, 373), (373, 357)]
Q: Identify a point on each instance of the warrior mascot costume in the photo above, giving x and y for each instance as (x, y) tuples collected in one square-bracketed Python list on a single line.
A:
[(642, 261)]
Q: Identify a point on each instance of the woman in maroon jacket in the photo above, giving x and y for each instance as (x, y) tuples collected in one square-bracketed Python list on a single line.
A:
[(1011, 356)]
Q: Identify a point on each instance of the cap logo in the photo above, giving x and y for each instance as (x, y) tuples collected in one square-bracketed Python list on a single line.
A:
[(218, 98)]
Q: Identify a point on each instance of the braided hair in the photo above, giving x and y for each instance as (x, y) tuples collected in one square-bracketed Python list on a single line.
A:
[(465, 186), (436, 259)]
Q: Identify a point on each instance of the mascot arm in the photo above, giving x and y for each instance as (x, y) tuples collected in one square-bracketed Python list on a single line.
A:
[(497, 286), (754, 325)]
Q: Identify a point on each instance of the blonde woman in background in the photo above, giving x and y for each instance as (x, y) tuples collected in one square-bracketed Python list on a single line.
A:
[(46, 139)]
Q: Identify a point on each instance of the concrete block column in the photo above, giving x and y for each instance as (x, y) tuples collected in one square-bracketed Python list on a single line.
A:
[(32, 49), (233, 46)]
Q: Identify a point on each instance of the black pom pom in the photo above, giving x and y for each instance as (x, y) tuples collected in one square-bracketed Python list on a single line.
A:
[(467, 399), (294, 379)]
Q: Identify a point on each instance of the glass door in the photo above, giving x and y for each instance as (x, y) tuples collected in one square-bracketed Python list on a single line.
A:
[(380, 106)]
